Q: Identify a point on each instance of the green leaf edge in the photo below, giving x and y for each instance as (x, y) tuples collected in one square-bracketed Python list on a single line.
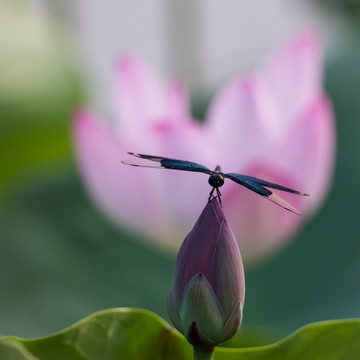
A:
[(282, 349), (292, 338), (111, 311), (14, 350), (172, 339)]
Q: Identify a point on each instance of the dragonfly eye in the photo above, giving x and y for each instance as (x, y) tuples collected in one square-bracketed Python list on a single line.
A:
[(216, 180)]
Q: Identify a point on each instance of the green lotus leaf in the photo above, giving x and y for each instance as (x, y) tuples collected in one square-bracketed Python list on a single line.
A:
[(125, 333)]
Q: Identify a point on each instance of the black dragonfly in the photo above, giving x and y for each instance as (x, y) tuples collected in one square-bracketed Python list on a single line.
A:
[(216, 178)]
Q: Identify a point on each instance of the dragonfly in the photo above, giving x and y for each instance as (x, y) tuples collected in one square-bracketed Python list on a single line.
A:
[(217, 178)]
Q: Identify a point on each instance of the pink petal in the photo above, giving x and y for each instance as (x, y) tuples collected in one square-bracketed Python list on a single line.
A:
[(308, 149), (139, 93), (294, 75), (178, 102), (181, 194), (99, 152), (259, 225), (162, 204), (242, 120), (142, 98)]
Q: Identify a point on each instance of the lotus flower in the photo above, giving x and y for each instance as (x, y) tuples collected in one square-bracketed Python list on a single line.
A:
[(276, 124), (208, 288)]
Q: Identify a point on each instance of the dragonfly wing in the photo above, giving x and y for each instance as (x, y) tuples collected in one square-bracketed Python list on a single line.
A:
[(281, 202), (261, 190), (165, 163), (269, 184)]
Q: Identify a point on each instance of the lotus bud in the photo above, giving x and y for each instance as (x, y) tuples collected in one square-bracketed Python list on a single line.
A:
[(207, 294)]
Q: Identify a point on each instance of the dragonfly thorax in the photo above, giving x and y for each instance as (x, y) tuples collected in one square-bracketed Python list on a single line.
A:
[(216, 180)]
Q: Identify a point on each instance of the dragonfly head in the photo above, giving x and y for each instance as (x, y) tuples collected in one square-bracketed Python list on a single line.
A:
[(216, 180)]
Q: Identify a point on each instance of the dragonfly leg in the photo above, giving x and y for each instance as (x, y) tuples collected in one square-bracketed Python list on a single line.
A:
[(211, 194), (218, 195)]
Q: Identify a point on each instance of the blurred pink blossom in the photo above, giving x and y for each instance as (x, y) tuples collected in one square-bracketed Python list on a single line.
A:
[(276, 124)]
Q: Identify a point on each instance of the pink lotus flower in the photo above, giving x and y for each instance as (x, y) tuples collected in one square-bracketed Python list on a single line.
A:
[(276, 124)]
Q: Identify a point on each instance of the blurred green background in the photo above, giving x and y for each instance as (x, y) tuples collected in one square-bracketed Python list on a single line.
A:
[(60, 260)]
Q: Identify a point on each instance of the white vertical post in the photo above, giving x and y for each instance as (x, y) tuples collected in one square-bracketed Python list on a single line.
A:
[(185, 40)]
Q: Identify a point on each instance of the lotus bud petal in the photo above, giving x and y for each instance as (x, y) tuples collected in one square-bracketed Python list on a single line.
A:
[(208, 289)]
